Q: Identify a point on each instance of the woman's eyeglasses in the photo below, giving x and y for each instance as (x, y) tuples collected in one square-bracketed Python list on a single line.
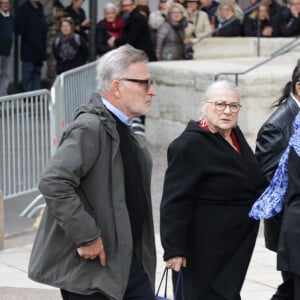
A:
[(221, 106)]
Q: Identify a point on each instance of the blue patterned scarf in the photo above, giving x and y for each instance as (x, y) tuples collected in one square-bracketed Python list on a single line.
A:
[(271, 202)]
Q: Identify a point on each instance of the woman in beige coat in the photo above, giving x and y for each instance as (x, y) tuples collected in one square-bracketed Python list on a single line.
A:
[(199, 25)]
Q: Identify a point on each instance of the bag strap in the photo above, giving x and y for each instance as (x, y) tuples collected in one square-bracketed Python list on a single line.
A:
[(179, 282), (165, 275)]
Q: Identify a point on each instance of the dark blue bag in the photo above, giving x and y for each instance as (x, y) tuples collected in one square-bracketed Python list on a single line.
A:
[(164, 278)]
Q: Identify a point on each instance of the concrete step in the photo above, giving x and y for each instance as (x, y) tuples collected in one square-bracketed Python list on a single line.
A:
[(219, 48)]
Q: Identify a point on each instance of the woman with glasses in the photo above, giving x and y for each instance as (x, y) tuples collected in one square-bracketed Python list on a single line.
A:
[(272, 140), (211, 182), (227, 22)]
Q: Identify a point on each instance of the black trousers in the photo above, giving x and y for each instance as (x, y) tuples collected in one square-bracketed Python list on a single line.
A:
[(138, 288)]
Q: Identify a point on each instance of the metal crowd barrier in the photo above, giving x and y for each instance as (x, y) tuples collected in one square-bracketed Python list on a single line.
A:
[(71, 89), (25, 141), (31, 125)]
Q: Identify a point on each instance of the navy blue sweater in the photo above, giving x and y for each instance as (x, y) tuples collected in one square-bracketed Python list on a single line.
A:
[(6, 34), (31, 25)]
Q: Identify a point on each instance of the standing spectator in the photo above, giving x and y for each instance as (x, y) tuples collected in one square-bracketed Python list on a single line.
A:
[(259, 23), (210, 7), (198, 20), (157, 18), (31, 25), (77, 13), (54, 13), (274, 8), (226, 14), (111, 25), (272, 139), (96, 238), (170, 41), (290, 20), (211, 182), (70, 49), (6, 40), (135, 32)]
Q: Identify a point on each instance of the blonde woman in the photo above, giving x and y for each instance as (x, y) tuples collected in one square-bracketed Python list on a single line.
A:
[(170, 40), (228, 23)]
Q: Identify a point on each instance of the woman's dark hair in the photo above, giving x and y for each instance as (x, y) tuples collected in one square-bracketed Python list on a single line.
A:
[(290, 86)]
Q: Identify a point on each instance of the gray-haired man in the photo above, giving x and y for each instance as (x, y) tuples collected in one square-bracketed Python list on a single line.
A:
[(96, 238)]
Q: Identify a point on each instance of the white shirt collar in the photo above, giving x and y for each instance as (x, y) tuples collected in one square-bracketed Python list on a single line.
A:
[(118, 113), (5, 14)]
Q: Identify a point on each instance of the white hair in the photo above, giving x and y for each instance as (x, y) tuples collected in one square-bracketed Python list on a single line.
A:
[(221, 84), (110, 5)]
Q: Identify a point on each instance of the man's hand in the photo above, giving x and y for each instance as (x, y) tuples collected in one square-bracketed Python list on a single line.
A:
[(175, 263), (93, 251)]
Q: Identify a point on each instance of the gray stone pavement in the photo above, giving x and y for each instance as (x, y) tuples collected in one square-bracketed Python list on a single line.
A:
[(261, 280)]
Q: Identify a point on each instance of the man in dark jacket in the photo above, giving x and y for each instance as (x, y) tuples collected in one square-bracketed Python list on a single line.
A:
[(136, 31), (31, 25), (96, 238), (6, 40)]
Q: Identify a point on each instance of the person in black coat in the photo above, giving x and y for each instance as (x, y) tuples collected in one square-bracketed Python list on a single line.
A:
[(210, 7), (77, 13), (260, 23), (272, 139), (6, 40), (136, 31), (228, 23), (211, 182), (111, 25), (70, 49), (31, 26), (290, 20)]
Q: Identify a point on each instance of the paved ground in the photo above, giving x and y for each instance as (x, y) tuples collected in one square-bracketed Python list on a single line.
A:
[(261, 281)]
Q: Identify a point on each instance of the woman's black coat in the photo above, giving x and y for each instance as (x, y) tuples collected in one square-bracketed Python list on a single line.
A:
[(102, 36), (136, 32), (208, 191), (232, 29)]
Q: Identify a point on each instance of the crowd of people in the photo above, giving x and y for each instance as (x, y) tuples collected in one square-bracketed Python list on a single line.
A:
[(167, 33), (96, 238)]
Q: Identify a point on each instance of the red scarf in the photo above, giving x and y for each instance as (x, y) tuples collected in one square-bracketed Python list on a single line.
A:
[(232, 135), (114, 28)]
